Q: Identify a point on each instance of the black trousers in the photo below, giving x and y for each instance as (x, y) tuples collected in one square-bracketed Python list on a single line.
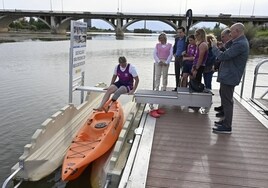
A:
[(227, 92), (199, 74), (177, 68)]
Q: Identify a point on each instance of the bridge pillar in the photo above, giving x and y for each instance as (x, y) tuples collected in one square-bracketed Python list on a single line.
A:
[(119, 33), (59, 31), (183, 23), (55, 26)]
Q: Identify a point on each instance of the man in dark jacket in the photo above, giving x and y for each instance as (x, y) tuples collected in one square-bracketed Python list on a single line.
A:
[(178, 48), (233, 64), (225, 44)]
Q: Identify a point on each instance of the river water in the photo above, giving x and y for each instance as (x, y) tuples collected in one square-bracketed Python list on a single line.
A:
[(34, 82)]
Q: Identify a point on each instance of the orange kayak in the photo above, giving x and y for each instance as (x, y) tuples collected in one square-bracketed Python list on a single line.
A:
[(96, 136)]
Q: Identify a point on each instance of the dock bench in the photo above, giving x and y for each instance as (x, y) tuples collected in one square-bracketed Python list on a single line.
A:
[(183, 97)]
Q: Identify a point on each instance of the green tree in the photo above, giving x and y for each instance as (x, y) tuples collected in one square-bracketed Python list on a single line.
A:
[(41, 25), (250, 31)]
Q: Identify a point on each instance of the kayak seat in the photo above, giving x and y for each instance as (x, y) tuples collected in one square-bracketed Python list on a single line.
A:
[(104, 116), (100, 125)]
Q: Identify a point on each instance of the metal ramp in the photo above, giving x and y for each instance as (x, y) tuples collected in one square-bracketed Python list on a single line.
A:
[(183, 97)]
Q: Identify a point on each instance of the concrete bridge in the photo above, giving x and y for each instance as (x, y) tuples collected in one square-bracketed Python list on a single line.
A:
[(59, 21)]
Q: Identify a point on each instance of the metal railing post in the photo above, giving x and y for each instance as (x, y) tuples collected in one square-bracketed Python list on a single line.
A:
[(153, 76), (243, 82), (256, 73), (82, 84)]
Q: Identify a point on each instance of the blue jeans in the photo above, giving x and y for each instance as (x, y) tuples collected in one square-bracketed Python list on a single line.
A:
[(208, 79)]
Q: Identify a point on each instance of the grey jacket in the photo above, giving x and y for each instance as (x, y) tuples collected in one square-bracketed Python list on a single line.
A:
[(234, 61)]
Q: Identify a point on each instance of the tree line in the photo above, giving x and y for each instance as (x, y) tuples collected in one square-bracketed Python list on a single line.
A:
[(37, 25), (28, 24)]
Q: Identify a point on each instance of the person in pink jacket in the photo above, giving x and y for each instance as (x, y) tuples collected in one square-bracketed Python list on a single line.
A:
[(162, 55)]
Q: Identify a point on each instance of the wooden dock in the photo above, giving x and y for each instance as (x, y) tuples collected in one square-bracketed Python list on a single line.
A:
[(186, 154)]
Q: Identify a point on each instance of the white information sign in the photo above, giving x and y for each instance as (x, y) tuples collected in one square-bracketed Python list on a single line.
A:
[(78, 39)]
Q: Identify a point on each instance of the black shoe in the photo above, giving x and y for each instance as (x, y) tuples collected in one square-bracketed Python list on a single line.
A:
[(220, 114), (196, 109), (222, 130), (175, 89), (218, 123), (219, 108)]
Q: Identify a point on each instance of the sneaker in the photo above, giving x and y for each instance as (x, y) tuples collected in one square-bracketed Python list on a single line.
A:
[(219, 108), (154, 114), (222, 130), (160, 111), (220, 114)]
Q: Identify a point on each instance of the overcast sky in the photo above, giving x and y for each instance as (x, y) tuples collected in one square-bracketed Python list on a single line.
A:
[(235, 7), (209, 7)]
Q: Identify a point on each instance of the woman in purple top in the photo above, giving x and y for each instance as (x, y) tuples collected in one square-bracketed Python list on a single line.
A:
[(128, 81), (188, 59), (201, 54)]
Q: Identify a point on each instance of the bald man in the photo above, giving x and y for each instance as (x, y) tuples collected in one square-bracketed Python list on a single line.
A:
[(233, 64)]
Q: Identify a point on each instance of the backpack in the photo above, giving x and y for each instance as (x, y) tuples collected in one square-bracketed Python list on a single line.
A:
[(196, 86)]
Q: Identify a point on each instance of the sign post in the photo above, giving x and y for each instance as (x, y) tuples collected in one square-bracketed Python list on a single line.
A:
[(189, 19), (77, 55)]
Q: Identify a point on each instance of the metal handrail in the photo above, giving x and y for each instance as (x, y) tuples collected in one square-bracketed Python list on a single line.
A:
[(256, 73), (11, 177), (242, 84)]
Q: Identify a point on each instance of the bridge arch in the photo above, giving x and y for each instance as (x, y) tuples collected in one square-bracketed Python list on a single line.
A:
[(5, 21), (63, 25), (111, 22), (124, 27), (44, 21)]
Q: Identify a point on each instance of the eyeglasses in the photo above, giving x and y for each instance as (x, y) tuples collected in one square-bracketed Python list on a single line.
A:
[(196, 34)]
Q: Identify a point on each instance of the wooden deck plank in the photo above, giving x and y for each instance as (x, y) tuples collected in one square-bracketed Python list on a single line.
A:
[(223, 168), (185, 184), (187, 154)]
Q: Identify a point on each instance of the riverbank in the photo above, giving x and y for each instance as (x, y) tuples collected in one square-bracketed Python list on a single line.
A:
[(259, 45), (20, 37)]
